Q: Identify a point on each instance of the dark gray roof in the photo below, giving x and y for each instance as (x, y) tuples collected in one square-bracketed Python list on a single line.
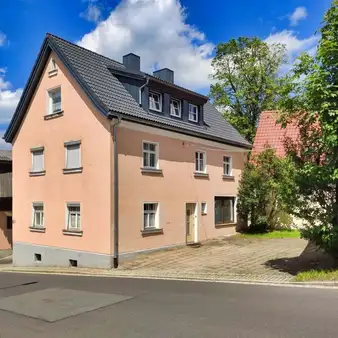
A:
[(5, 155), (92, 71)]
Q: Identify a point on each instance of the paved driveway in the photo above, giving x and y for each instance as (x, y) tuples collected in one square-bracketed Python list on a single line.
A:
[(232, 258)]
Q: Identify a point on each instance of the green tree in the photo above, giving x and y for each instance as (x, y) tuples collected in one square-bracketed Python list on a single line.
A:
[(246, 73), (266, 188), (311, 100)]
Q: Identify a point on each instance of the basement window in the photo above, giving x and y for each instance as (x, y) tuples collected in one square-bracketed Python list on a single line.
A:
[(37, 257), (73, 263)]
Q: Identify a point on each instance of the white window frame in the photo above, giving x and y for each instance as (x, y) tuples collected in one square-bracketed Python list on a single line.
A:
[(157, 216), (198, 169), (204, 208), (34, 212), (172, 110), (193, 119), (50, 100), (34, 151), (227, 161), (234, 210), (69, 144), (156, 152), (160, 100), (68, 223)]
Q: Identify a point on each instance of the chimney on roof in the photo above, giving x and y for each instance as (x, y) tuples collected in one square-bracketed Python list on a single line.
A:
[(165, 74), (132, 62)]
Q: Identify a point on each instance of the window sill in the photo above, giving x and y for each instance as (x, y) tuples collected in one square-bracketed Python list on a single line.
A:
[(155, 111), (72, 170), (150, 232), (201, 175), (78, 233), (225, 225), (53, 116), (176, 116), (37, 229), (228, 178), (52, 73), (153, 171), (37, 173)]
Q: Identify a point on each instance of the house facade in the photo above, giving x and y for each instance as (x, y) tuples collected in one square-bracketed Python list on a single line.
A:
[(109, 161)]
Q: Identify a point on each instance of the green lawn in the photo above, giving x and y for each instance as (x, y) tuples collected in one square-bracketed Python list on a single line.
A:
[(273, 234), (317, 275)]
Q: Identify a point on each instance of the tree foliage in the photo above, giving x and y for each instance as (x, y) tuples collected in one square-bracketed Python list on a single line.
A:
[(246, 74), (266, 188), (311, 100)]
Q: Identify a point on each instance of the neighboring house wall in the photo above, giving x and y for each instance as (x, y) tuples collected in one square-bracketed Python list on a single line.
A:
[(173, 189), (5, 233), (92, 188)]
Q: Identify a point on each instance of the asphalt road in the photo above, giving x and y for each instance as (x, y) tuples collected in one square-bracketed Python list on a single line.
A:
[(176, 309)]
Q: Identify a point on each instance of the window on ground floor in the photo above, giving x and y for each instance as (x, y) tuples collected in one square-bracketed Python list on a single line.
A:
[(224, 210), (73, 216), (150, 216), (38, 215)]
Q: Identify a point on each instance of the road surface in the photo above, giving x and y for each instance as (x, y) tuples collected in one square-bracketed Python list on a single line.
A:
[(154, 308)]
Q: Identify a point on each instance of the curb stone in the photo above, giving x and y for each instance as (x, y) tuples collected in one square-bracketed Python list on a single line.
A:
[(179, 277)]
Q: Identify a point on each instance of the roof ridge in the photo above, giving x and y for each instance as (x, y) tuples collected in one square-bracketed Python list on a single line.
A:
[(86, 49)]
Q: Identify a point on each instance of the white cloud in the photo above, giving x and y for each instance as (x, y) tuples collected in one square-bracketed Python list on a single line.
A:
[(9, 98), (157, 31), (300, 13), (294, 45), (93, 11), (3, 38)]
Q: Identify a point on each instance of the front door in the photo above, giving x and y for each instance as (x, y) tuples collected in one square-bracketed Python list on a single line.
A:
[(190, 222)]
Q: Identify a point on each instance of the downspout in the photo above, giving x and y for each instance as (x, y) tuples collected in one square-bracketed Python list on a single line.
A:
[(116, 194), (140, 91)]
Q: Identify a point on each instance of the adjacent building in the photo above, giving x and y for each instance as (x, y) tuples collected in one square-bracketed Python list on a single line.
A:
[(109, 161), (5, 200)]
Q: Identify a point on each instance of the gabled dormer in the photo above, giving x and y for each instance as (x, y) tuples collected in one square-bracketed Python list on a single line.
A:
[(158, 94)]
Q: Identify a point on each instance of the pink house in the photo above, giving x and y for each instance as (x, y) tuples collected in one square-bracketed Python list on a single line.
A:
[(109, 161)]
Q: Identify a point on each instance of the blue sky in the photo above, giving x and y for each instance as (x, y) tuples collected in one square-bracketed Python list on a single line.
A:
[(166, 33)]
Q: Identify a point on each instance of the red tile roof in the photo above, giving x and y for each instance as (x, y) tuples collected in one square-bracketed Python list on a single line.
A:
[(270, 134)]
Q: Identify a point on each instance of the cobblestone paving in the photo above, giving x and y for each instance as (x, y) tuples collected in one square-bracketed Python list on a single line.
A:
[(228, 258), (223, 259)]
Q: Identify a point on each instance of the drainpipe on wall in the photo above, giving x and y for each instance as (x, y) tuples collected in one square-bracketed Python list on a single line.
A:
[(140, 91), (114, 124)]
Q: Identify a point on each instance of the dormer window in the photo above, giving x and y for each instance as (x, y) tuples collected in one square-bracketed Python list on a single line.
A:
[(155, 101), (175, 108), (193, 113)]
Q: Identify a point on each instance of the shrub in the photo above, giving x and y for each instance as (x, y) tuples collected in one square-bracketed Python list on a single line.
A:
[(265, 192)]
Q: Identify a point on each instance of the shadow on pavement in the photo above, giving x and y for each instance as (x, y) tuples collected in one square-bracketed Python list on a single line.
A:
[(310, 259)]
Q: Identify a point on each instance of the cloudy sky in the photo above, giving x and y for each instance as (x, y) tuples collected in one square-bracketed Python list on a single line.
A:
[(178, 34)]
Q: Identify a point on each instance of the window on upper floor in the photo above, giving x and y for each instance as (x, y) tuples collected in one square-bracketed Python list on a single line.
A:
[(175, 108), (193, 113), (37, 160), (200, 161), (150, 155), (155, 101), (53, 70), (73, 157), (54, 101), (227, 166)]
